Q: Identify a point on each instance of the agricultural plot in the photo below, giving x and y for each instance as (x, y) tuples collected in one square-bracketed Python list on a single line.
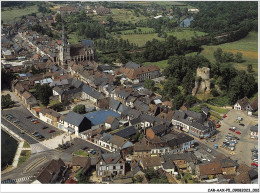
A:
[(12, 14)]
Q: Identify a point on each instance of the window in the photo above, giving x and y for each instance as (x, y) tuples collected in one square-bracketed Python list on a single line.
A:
[(114, 167), (101, 163), (121, 167)]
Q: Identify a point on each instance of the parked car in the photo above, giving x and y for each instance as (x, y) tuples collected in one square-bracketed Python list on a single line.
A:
[(213, 139), (238, 132), (22, 132), (51, 131), (28, 117), (196, 148), (37, 134), (34, 132), (254, 164), (41, 137), (231, 129), (44, 127), (35, 122), (224, 116), (241, 124), (209, 150), (16, 121)]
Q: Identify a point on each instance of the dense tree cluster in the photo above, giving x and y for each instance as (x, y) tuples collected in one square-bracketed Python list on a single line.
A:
[(6, 101), (43, 30), (43, 92), (156, 50), (6, 79), (223, 57), (113, 45), (221, 16), (91, 30), (80, 109), (154, 177)]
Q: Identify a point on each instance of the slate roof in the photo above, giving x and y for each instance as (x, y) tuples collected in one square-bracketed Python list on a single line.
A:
[(135, 121), (114, 104), (126, 132), (111, 158), (87, 43), (122, 108), (159, 129), (131, 64), (168, 164), (180, 139), (98, 117), (147, 118), (141, 106), (74, 118), (189, 157), (50, 112), (92, 92), (198, 126), (123, 94), (134, 113), (106, 137)]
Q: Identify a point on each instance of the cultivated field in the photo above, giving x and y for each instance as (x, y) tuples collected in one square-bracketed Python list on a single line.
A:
[(161, 64), (10, 14)]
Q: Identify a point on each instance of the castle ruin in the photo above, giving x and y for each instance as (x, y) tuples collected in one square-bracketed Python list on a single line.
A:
[(202, 82)]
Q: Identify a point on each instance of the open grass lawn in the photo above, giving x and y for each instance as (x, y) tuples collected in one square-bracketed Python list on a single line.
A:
[(26, 145), (143, 29), (186, 34), (141, 39), (161, 64), (80, 152), (118, 15), (217, 109), (248, 46), (25, 154), (10, 14)]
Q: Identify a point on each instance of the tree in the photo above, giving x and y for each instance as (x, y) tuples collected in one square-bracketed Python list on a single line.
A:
[(249, 68), (58, 18), (149, 84), (178, 101), (214, 92), (44, 92), (218, 54), (80, 109), (6, 101), (190, 100), (239, 57)]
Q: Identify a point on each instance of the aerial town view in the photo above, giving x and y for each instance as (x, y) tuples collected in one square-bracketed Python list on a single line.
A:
[(129, 92)]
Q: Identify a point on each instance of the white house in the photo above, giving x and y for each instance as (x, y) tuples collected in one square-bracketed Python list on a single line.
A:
[(254, 132)]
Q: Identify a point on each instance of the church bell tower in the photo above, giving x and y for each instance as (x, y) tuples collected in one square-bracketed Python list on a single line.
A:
[(64, 50)]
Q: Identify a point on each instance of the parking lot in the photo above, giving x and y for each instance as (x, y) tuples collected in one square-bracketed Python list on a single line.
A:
[(25, 124), (243, 145)]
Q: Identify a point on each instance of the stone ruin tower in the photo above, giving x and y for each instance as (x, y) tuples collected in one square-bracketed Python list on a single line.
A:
[(202, 84)]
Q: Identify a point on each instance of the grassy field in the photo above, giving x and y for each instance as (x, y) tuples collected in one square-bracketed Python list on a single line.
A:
[(10, 14), (82, 153), (161, 64), (141, 39), (26, 145), (217, 109), (119, 15), (186, 34), (248, 46), (25, 154), (143, 29)]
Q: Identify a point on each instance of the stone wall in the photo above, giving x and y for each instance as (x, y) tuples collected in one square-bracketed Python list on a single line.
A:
[(202, 85)]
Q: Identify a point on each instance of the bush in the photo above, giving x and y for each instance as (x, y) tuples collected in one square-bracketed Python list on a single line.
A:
[(80, 109)]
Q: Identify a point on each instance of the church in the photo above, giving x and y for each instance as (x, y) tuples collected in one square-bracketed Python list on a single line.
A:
[(85, 51)]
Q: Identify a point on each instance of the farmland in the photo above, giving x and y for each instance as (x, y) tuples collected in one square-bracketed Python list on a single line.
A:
[(10, 14), (161, 64)]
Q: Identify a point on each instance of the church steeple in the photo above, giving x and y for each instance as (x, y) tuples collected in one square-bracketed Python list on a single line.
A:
[(64, 39)]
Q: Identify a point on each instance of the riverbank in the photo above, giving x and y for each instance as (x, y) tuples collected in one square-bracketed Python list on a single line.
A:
[(18, 150)]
